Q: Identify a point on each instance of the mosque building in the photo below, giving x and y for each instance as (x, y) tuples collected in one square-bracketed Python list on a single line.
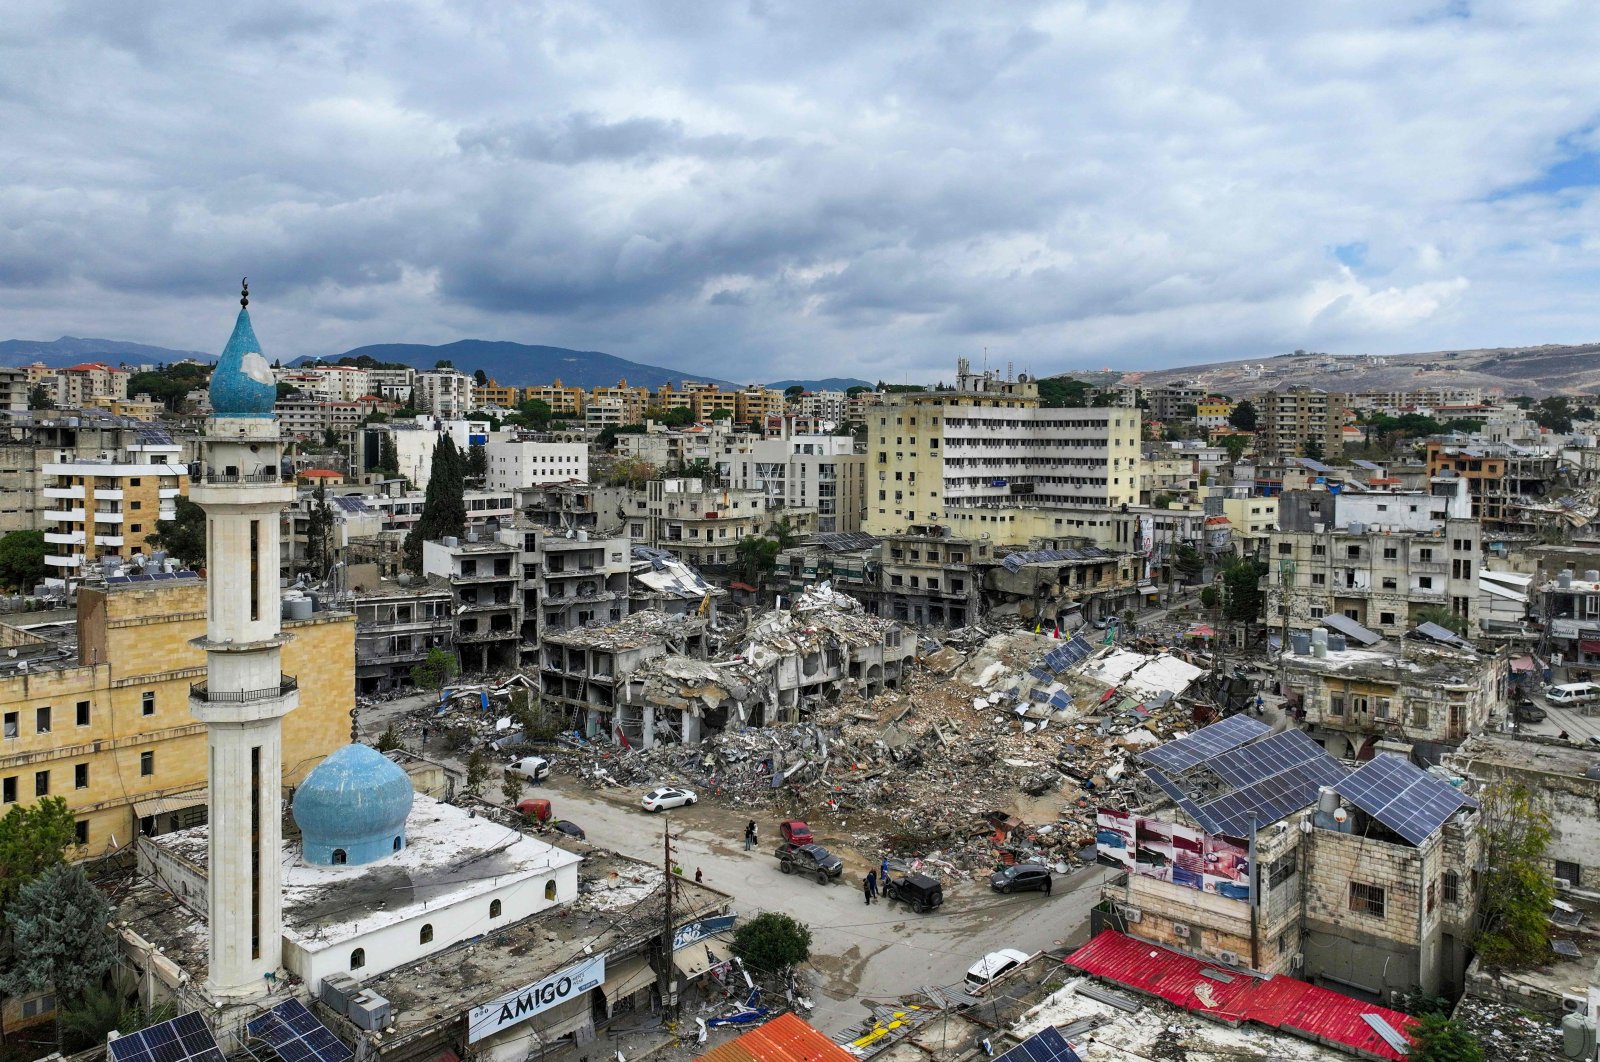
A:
[(418, 926)]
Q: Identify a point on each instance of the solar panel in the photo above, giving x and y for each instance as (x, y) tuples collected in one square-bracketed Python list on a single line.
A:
[(1047, 1045), (297, 1036), (1199, 815), (182, 1039), (1402, 796), (1272, 798), (1165, 784), (1271, 755), (1182, 754)]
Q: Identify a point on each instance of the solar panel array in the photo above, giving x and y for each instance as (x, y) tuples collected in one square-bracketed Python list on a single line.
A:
[(1271, 755), (154, 436), (1015, 561), (1205, 743), (297, 1036), (153, 577), (841, 541), (351, 503), (1073, 651), (1047, 1045), (1165, 784), (182, 1039), (1402, 796), (1272, 798)]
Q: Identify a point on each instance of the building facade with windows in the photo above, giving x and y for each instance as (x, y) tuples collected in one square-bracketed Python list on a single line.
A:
[(821, 472), (103, 511), (1300, 421)]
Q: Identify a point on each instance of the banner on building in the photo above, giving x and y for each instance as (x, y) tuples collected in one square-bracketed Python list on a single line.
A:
[(516, 1007), (699, 930), (1173, 852)]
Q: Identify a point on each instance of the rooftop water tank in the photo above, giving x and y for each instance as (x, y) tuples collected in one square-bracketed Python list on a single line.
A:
[(1300, 642)]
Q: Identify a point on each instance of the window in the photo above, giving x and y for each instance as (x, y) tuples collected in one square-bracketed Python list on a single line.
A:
[(11, 725), (495, 908), (1366, 899), (1451, 886), (1318, 579), (1383, 707), (83, 713), (1386, 619), (1336, 704), (1424, 582), (80, 831), (41, 720), (8, 790), (358, 958), (425, 935), (41, 783), (1424, 554), (1419, 715), (1391, 553), (147, 764), (1353, 552), (32, 1008), (1280, 871), (1568, 871), (148, 705), (1285, 547), (1390, 583), (550, 890), (80, 776)]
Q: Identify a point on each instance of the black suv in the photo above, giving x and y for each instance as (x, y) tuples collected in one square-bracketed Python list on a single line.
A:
[(812, 859), (1020, 876)]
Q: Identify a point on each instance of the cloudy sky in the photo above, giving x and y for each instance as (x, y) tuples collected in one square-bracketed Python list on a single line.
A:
[(765, 189)]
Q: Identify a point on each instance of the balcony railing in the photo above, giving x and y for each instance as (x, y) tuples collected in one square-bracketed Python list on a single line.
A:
[(201, 692), (251, 477)]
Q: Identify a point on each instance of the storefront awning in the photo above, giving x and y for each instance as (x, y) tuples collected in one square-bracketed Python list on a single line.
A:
[(627, 977), (171, 802), (699, 957)]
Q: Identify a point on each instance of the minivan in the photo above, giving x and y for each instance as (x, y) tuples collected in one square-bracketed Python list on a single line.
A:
[(1572, 693), (992, 965)]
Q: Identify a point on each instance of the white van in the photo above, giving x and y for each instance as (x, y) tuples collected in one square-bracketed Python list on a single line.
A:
[(533, 768), (1572, 693), (992, 965)]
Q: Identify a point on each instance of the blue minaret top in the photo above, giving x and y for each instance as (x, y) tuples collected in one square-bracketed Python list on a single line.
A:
[(242, 384)]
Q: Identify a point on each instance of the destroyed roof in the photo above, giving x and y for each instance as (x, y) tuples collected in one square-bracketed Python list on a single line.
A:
[(842, 541), (1016, 561), (1142, 673), (630, 632), (663, 573)]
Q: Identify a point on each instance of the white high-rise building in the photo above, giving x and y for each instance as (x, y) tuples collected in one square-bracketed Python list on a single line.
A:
[(245, 695)]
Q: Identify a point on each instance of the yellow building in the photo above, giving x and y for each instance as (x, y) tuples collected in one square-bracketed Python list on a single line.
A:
[(754, 404), (560, 398), (492, 394), (108, 728), (707, 403), (634, 400), (95, 509)]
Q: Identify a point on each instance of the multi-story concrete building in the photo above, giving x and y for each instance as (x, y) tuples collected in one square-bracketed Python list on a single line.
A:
[(445, 393), (1419, 698), (822, 472), (14, 388), (580, 670), (396, 626), (106, 510), (830, 406), (517, 460), (330, 383), (754, 404), (631, 401), (1058, 588), (675, 449), (1299, 420), (79, 385), (1502, 478), (860, 405), (926, 578), (494, 394), (573, 506), (988, 445), (106, 726), (570, 579), (701, 523), (1383, 580), (485, 578), (1212, 412), (1171, 401), (602, 413), (562, 400), (394, 384)]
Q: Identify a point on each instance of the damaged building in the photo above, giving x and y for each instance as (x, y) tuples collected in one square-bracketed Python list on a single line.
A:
[(580, 670)]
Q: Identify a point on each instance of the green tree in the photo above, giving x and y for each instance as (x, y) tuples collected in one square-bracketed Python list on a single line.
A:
[(632, 472), (389, 740), (287, 392), (721, 414), (477, 773), (33, 838), (388, 454), (1243, 599), (184, 536), (1243, 416), (1440, 1038), (1189, 563), (1209, 597), (477, 462), (511, 788), (756, 555), (1163, 500), (1513, 913), (1057, 393), (1236, 445), (319, 530), (102, 1010), (22, 565), (444, 510), (436, 669), (39, 398), (60, 936), (793, 391), (772, 942), (1553, 413), (1313, 449), (783, 533), (480, 378), (858, 389)]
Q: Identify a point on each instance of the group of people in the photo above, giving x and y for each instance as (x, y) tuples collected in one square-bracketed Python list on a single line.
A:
[(874, 879)]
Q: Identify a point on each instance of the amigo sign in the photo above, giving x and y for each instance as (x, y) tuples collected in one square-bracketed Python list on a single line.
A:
[(524, 1003)]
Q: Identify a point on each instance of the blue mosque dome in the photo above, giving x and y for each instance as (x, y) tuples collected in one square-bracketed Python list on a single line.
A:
[(352, 808), (242, 384)]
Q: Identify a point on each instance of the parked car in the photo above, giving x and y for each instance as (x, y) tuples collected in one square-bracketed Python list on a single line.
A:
[(795, 831), (809, 859), (994, 964), (1528, 712), (663, 797), (1019, 877), (533, 768), (536, 809), (917, 891), (571, 829)]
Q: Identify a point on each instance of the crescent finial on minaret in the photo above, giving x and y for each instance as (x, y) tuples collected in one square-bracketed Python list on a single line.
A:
[(244, 292)]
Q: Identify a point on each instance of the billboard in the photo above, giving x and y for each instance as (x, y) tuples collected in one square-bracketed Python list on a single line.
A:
[(1173, 852), (524, 1003)]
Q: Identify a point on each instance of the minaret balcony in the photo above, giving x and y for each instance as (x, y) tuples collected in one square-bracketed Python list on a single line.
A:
[(201, 691)]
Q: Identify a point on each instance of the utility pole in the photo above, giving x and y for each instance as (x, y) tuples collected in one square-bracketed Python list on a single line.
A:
[(664, 978)]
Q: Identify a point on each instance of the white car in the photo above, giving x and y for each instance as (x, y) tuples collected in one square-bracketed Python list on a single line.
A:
[(663, 797), (992, 965), (533, 768)]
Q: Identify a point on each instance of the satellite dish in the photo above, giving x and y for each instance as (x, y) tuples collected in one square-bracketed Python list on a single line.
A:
[(1022, 377)]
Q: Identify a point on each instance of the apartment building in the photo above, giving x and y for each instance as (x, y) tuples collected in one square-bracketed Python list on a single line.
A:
[(313, 418), (859, 405), (602, 413), (493, 394), (697, 521), (564, 400), (1502, 478), (14, 388), (572, 506), (445, 393), (1171, 401), (517, 461), (631, 401), (830, 406), (1212, 412), (393, 384), (712, 403), (485, 579), (105, 724), (926, 577), (396, 627), (100, 512), (79, 385), (674, 449), (1384, 580), (754, 404), (822, 472), (330, 383), (988, 445), (571, 579), (1298, 421), (581, 670)]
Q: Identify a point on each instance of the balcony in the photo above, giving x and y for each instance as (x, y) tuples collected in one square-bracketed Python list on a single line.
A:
[(63, 562), (101, 494), (72, 516), (75, 493), (201, 692), (498, 635), (224, 479), (67, 538), (107, 518), (108, 540), (168, 493)]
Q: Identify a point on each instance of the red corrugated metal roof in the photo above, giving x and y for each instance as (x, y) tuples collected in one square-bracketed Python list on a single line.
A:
[(785, 1038), (1278, 1002)]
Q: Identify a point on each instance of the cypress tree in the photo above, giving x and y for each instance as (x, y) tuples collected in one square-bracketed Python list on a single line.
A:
[(59, 933), (444, 511)]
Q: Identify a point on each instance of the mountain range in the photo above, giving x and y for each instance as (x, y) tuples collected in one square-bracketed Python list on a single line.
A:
[(831, 383), (523, 363), (70, 350)]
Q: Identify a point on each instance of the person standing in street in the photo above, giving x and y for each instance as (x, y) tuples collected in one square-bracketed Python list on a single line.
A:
[(872, 883), (866, 890), (750, 835), (1047, 878), (883, 869)]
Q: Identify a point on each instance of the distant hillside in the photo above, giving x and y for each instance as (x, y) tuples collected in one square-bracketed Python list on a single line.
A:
[(832, 383), (70, 350), (1536, 371), (523, 364)]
